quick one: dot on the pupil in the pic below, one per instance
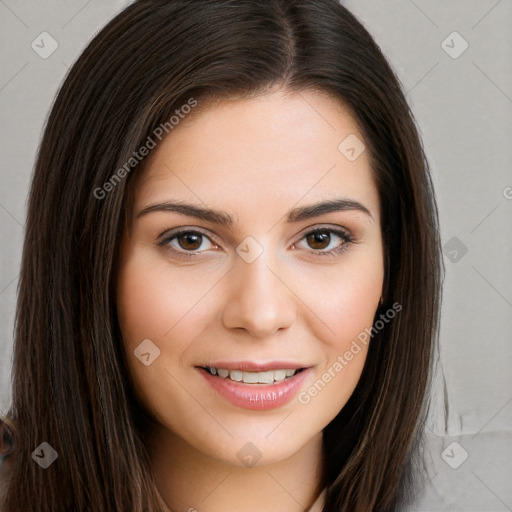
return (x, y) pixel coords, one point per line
(320, 237)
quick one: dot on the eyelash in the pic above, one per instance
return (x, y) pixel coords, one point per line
(347, 238)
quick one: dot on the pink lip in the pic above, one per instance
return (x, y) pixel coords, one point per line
(252, 366)
(256, 396)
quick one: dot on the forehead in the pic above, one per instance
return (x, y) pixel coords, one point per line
(270, 149)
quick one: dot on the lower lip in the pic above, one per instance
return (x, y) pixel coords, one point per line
(257, 396)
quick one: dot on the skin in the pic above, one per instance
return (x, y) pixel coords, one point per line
(256, 159)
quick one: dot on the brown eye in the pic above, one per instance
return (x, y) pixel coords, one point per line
(319, 240)
(190, 241)
(187, 243)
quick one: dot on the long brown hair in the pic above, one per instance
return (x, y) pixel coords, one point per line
(70, 386)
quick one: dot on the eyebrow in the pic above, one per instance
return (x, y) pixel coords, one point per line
(225, 219)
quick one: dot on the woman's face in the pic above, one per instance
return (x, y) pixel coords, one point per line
(260, 294)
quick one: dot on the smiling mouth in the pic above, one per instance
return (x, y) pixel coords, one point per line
(268, 377)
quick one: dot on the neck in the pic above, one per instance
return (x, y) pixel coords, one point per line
(192, 481)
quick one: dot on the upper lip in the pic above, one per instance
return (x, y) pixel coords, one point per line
(253, 366)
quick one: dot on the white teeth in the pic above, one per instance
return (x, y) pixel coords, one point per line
(236, 375)
(250, 377)
(266, 377)
(279, 375)
(253, 377)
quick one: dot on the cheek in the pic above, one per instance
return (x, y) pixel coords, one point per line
(345, 343)
(354, 308)
(345, 298)
(155, 303)
(346, 306)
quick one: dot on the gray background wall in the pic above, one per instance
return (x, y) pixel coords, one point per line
(462, 99)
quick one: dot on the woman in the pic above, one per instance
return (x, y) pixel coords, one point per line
(256, 368)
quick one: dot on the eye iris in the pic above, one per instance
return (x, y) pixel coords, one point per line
(319, 237)
(196, 241)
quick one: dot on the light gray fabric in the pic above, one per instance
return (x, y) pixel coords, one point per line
(455, 62)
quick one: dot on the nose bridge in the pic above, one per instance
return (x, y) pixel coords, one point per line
(257, 299)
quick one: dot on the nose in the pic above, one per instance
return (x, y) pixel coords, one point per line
(258, 299)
